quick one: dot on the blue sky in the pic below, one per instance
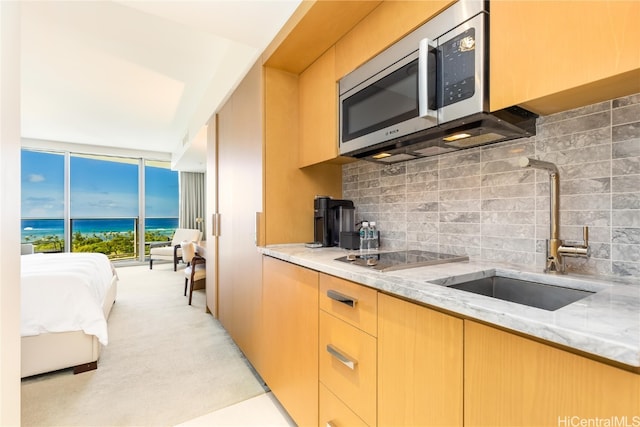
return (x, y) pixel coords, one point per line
(99, 188)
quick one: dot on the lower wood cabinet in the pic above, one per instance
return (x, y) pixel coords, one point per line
(348, 365)
(420, 365)
(290, 341)
(335, 413)
(337, 353)
(516, 381)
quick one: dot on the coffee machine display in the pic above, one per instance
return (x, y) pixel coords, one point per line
(332, 217)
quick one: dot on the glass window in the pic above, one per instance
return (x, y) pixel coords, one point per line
(104, 205)
(161, 201)
(42, 205)
(104, 197)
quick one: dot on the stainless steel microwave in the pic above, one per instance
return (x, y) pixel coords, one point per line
(427, 94)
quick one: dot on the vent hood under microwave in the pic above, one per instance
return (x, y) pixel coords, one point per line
(475, 130)
(427, 94)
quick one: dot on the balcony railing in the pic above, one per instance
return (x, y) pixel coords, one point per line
(118, 238)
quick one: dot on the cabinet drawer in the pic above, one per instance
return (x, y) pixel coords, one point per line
(348, 365)
(353, 303)
(335, 413)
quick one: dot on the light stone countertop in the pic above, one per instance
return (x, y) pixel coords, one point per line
(605, 324)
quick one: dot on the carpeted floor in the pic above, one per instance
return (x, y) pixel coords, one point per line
(166, 363)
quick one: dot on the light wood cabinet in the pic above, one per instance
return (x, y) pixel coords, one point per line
(318, 111)
(333, 412)
(551, 56)
(288, 190)
(420, 365)
(350, 302)
(239, 167)
(348, 365)
(290, 325)
(263, 197)
(348, 354)
(515, 381)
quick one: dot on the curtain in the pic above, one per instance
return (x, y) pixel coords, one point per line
(192, 201)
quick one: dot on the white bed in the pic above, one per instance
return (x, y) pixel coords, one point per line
(66, 299)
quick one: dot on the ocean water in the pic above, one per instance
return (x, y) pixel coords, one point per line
(34, 229)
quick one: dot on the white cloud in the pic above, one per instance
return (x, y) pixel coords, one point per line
(34, 177)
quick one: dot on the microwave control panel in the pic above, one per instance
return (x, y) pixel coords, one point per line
(457, 67)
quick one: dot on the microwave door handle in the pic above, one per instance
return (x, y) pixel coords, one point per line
(423, 84)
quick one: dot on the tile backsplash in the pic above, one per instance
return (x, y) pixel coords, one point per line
(479, 202)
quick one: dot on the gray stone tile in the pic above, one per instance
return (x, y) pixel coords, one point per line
(628, 148)
(460, 205)
(510, 217)
(625, 184)
(626, 100)
(508, 178)
(509, 230)
(585, 186)
(573, 141)
(509, 150)
(508, 191)
(462, 171)
(621, 268)
(629, 236)
(458, 194)
(625, 166)
(517, 245)
(626, 114)
(459, 158)
(591, 201)
(459, 228)
(576, 113)
(576, 124)
(625, 132)
(521, 258)
(524, 204)
(625, 218)
(625, 253)
(473, 217)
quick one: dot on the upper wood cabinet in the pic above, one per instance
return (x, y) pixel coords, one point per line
(318, 111)
(550, 56)
(288, 190)
(514, 381)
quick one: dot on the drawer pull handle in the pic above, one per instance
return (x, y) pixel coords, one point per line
(342, 298)
(342, 358)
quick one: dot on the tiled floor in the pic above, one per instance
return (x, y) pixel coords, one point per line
(263, 410)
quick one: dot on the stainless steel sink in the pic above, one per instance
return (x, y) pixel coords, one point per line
(533, 294)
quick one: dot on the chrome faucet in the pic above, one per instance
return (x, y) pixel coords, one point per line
(556, 249)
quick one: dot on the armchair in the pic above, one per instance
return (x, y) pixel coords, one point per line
(171, 250)
(196, 267)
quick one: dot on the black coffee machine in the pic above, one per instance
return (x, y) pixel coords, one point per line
(332, 216)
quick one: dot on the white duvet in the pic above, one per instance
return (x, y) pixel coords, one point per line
(65, 292)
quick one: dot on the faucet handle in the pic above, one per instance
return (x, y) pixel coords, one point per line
(585, 235)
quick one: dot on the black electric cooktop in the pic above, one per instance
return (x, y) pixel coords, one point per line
(387, 261)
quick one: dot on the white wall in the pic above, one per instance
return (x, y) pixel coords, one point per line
(10, 213)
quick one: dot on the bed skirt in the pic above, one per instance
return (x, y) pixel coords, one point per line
(53, 351)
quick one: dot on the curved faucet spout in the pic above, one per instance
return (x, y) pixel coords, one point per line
(526, 162)
(556, 249)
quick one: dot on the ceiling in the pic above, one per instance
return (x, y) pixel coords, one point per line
(138, 75)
